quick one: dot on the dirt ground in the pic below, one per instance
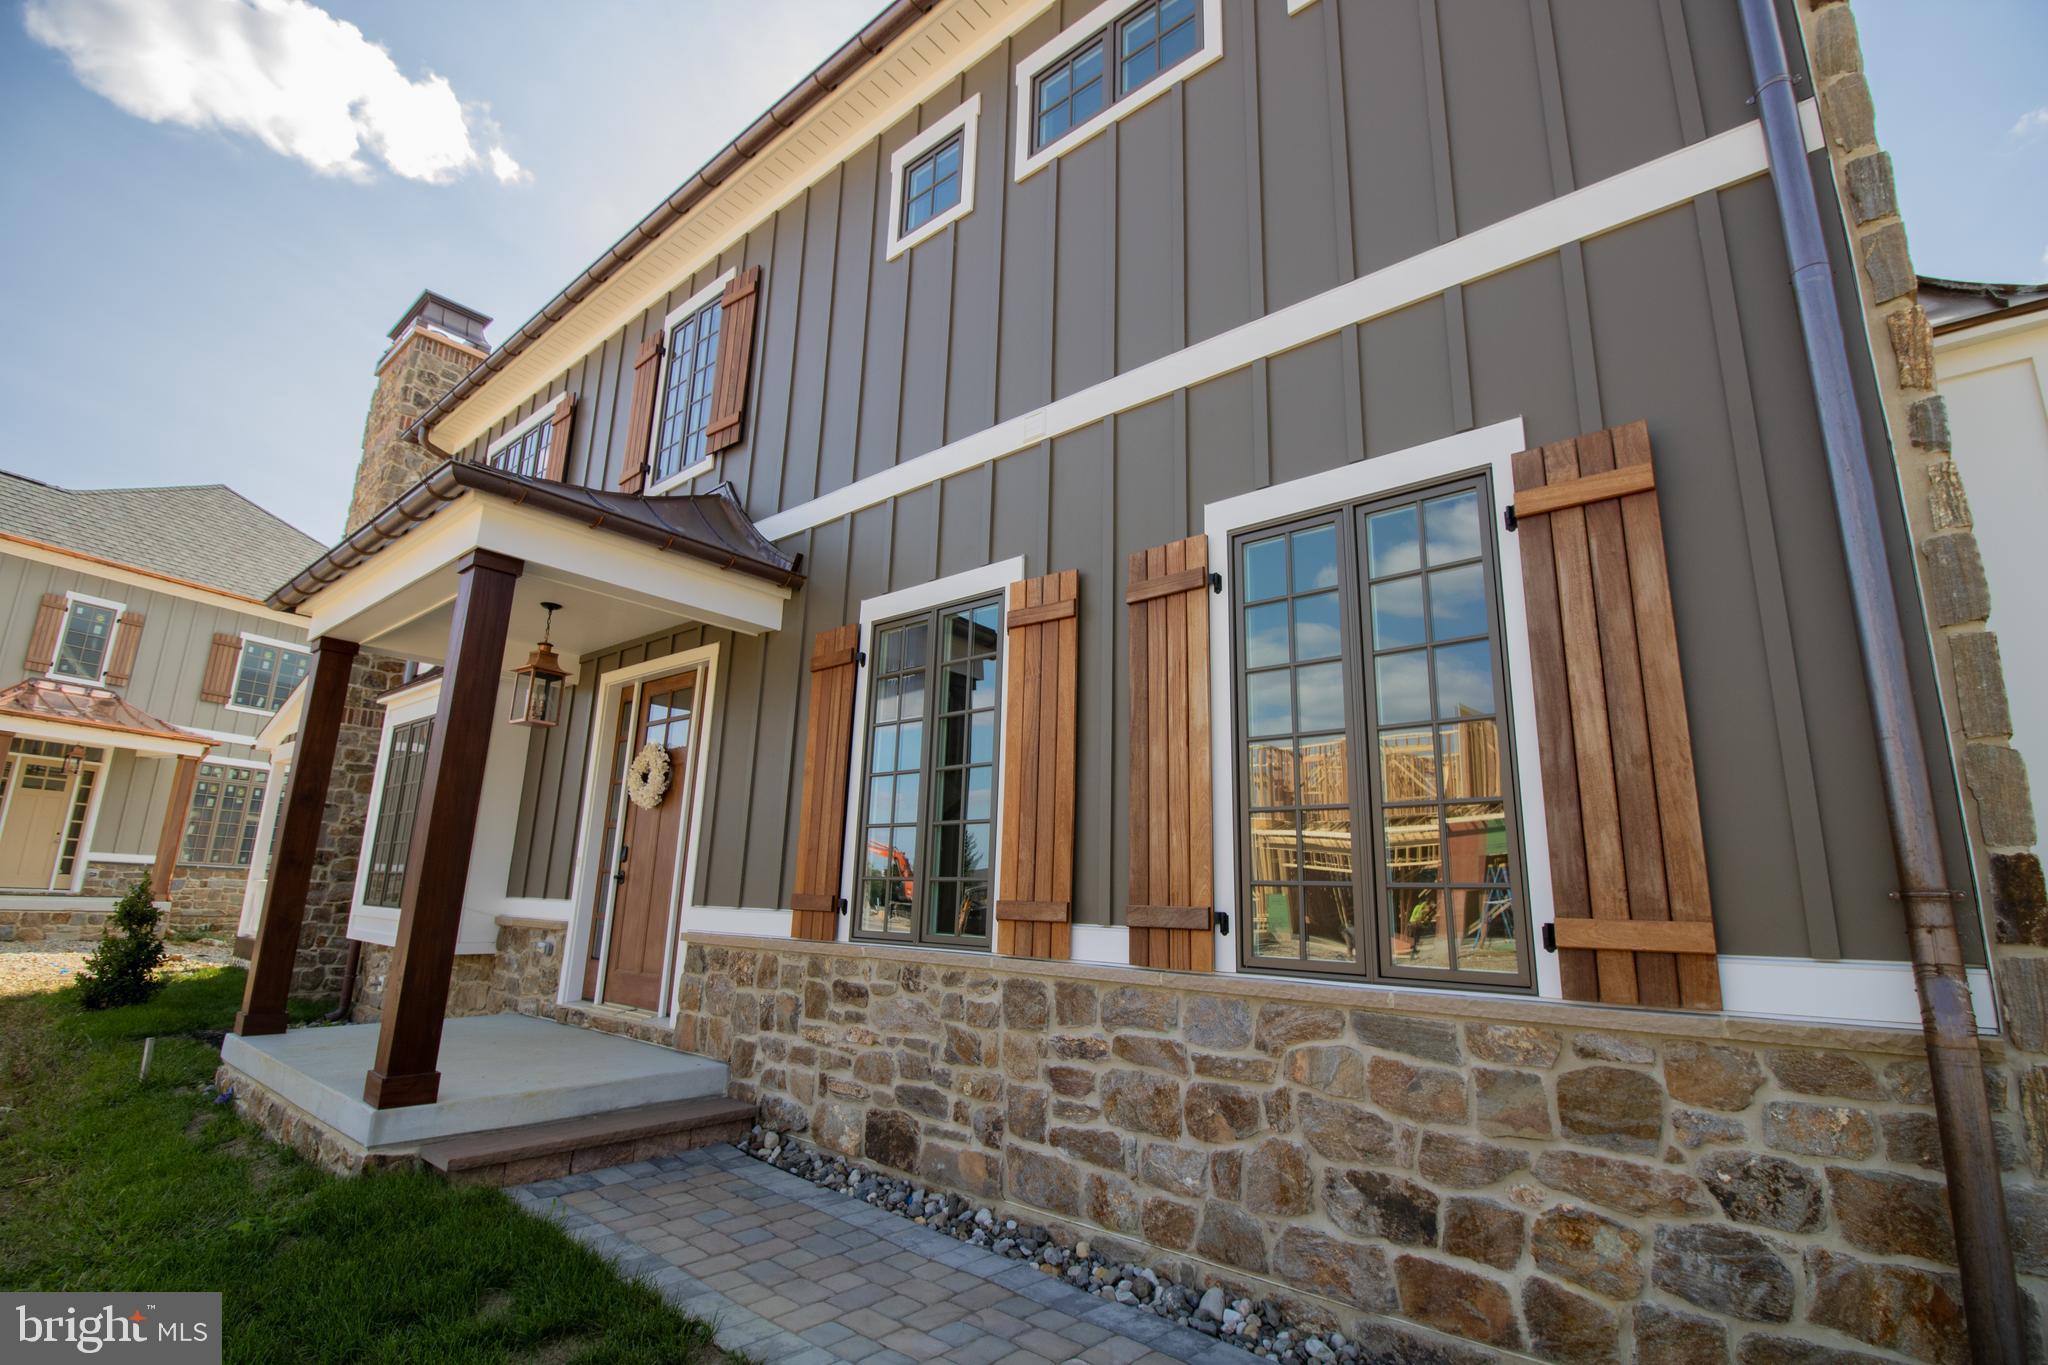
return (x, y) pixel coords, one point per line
(27, 968)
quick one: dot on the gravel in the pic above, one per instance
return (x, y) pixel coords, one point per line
(30, 968)
(1255, 1326)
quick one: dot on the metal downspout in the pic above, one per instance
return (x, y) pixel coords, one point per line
(1990, 1294)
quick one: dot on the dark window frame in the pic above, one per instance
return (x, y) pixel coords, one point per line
(84, 612)
(201, 844)
(273, 695)
(1372, 901)
(1109, 41)
(527, 453)
(398, 793)
(956, 141)
(682, 424)
(929, 822)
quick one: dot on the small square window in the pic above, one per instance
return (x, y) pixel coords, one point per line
(931, 184)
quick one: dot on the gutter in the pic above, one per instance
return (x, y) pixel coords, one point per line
(851, 58)
(1991, 1303)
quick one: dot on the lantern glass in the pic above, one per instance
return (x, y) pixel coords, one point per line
(537, 690)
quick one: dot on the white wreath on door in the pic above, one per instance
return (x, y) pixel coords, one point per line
(647, 777)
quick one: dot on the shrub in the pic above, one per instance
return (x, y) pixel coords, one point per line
(123, 970)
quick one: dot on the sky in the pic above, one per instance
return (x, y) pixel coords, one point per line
(212, 210)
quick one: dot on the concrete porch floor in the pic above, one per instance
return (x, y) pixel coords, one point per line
(497, 1071)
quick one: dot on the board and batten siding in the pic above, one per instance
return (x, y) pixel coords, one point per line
(165, 683)
(1323, 146)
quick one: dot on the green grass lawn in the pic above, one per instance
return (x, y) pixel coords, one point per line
(108, 1183)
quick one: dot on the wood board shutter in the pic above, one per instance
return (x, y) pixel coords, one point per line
(1634, 922)
(127, 639)
(735, 355)
(815, 903)
(219, 681)
(558, 438)
(1171, 910)
(42, 637)
(1034, 918)
(640, 430)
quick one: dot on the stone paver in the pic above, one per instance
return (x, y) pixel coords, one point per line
(787, 1272)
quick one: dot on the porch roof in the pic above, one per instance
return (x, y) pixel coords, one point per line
(40, 708)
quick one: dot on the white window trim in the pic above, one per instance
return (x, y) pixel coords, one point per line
(544, 413)
(379, 923)
(966, 121)
(1297, 6)
(1102, 17)
(1491, 449)
(247, 640)
(939, 592)
(70, 599)
(211, 761)
(703, 298)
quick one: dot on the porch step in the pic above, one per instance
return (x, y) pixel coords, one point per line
(545, 1151)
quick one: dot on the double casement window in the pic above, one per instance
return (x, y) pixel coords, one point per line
(266, 673)
(227, 807)
(927, 823)
(692, 348)
(1376, 813)
(87, 635)
(1107, 65)
(398, 803)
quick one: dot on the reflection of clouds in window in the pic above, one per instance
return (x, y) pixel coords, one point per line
(1457, 602)
(1265, 635)
(1397, 614)
(1319, 691)
(1392, 543)
(1452, 526)
(1316, 634)
(1464, 679)
(1402, 687)
(1315, 559)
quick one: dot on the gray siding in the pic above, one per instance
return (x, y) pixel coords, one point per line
(1322, 146)
(175, 640)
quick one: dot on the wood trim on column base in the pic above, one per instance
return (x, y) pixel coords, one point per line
(256, 1024)
(399, 1092)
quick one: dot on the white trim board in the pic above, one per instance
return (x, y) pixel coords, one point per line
(965, 120)
(1728, 158)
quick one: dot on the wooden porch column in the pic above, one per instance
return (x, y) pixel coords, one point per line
(437, 867)
(172, 835)
(305, 806)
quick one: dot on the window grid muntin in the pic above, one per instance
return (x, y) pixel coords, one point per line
(1124, 57)
(528, 453)
(396, 812)
(686, 392)
(74, 821)
(266, 674)
(894, 662)
(82, 647)
(227, 805)
(1153, 38)
(1058, 106)
(945, 162)
(957, 886)
(1364, 772)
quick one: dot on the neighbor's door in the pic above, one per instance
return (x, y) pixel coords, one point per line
(651, 844)
(35, 825)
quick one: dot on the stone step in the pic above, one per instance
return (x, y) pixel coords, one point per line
(546, 1151)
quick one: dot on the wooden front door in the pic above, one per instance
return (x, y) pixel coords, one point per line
(650, 844)
(35, 825)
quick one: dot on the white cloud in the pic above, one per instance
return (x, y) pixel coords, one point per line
(2031, 122)
(286, 72)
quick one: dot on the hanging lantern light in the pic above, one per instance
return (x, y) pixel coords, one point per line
(537, 685)
(74, 758)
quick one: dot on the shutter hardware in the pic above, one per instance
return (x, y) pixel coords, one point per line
(1549, 930)
(1215, 582)
(1223, 923)
(1508, 517)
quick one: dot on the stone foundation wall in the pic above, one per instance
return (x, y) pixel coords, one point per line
(1571, 1183)
(282, 1121)
(201, 899)
(519, 977)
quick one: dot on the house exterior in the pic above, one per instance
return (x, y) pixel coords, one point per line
(143, 662)
(1226, 624)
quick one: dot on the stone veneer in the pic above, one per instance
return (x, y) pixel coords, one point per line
(519, 977)
(412, 376)
(1573, 1183)
(202, 898)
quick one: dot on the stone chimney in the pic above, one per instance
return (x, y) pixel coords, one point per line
(434, 345)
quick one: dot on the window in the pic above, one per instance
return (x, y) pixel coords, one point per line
(267, 673)
(1376, 818)
(691, 366)
(928, 822)
(404, 765)
(525, 450)
(227, 805)
(931, 177)
(1106, 66)
(88, 630)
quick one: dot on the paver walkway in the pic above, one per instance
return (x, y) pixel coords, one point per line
(791, 1272)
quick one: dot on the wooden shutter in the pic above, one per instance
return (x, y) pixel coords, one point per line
(219, 682)
(1034, 917)
(735, 354)
(640, 430)
(1628, 866)
(1171, 911)
(42, 637)
(815, 904)
(127, 639)
(558, 439)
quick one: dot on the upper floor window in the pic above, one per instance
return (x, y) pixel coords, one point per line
(267, 672)
(928, 818)
(528, 448)
(1106, 66)
(87, 634)
(931, 178)
(227, 806)
(1377, 815)
(689, 368)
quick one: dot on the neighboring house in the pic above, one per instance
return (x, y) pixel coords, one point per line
(1227, 625)
(144, 661)
(1991, 361)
